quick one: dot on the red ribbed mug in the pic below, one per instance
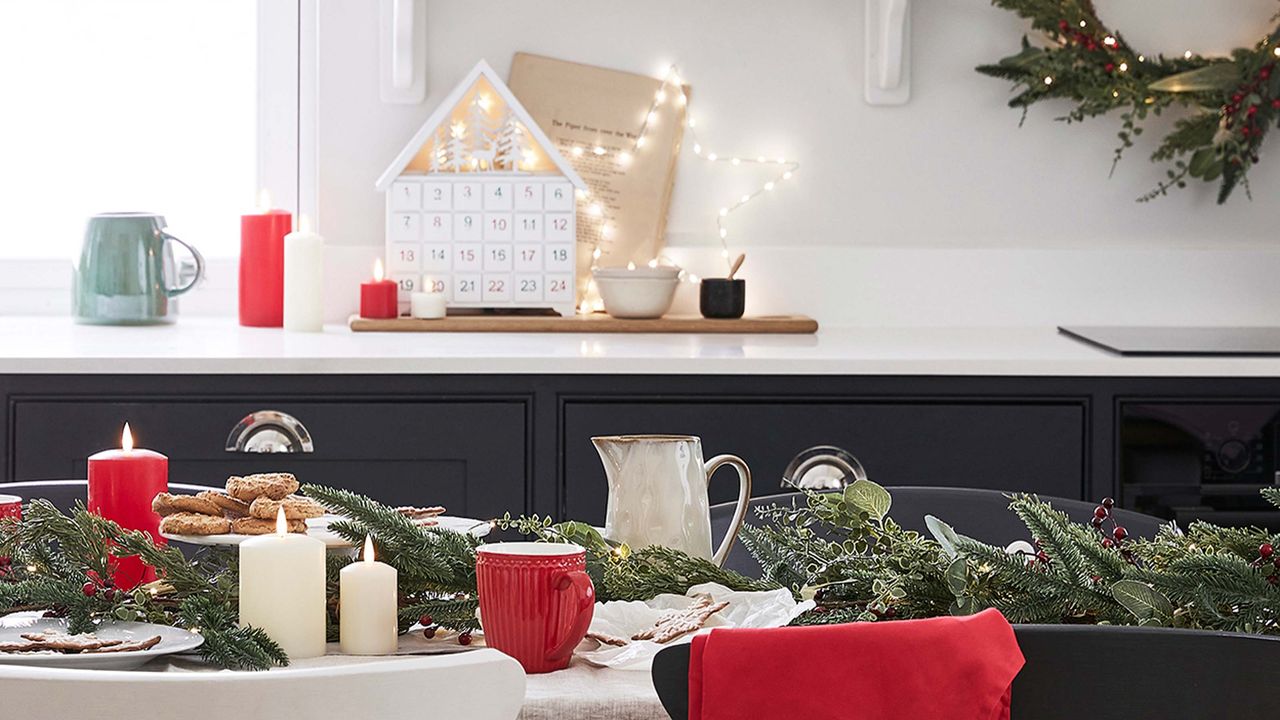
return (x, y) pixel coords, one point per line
(536, 601)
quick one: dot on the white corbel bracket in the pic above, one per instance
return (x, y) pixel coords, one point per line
(888, 67)
(402, 51)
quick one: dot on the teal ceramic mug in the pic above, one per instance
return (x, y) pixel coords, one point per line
(126, 274)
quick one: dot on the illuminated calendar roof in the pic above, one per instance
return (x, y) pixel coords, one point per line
(480, 129)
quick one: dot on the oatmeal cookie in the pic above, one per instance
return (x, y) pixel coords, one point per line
(295, 507)
(258, 526)
(231, 507)
(187, 523)
(276, 486)
(166, 504)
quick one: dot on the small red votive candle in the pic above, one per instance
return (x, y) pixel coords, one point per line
(122, 484)
(378, 298)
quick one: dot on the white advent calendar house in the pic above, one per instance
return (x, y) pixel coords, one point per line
(481, 206)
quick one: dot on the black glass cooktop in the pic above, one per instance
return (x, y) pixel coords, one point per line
(1180, 340)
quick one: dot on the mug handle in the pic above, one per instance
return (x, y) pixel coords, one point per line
(744, 497)
(174, 292)
(580, 583)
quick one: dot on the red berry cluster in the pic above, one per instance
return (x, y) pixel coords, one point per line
(430, 628)
(1077, 36)
(1113, 539)
(5, 566)
(1267, 557)
(95, 585)
(1244, 116)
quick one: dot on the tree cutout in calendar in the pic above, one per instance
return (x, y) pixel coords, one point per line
(482, 207)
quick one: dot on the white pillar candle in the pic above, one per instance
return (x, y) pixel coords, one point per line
(282, 589)
(368, 624)
(303, 279)
(426, 306)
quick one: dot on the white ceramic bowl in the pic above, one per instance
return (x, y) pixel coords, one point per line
(639, 293)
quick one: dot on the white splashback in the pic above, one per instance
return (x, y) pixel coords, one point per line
(939, 212)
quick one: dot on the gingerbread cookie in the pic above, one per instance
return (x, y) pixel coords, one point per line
(276, 486)
(295, 507)
(60, 642)
(166, 504)
(606, 639)
(674, 623)
(230, 506)
(421, 515)
(129, 646)
(186, 523)
(258, 526)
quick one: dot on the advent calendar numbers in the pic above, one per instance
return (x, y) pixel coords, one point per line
(483, 242)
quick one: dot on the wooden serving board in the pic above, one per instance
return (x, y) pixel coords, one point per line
(595, 323)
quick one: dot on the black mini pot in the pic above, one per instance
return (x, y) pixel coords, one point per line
(722, 298)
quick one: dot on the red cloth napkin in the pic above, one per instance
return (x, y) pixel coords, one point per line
(953, 668)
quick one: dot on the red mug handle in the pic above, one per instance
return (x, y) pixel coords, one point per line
(579, 583)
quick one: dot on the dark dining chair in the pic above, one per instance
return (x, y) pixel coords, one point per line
(980, 514)
(64, 493)
(1103, 673)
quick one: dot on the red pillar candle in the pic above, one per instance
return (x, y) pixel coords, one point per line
(262, 267)
(378, 297)
(122, 484)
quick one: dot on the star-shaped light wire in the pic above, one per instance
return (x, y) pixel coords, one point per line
(672, 89)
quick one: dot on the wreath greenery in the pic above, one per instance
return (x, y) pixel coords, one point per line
(1233, 101)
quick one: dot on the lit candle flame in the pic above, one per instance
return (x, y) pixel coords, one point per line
(377, 270)
(368, 548)
(126, 438)
(282, 525)
(631, 266)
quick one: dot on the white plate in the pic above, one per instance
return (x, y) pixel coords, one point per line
(172, 640)
(318, 528)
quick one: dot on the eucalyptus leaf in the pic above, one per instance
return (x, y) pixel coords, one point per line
(1143, 601)
(869, 498)
(1218, 76)
(1201, 161)
(957, 577)
(943, 533)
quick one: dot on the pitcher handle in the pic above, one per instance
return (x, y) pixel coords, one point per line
(579, 583)
(174, 292)
(744, 497)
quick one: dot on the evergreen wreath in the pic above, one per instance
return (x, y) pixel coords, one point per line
(1233, 101)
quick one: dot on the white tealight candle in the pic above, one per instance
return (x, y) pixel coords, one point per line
(282, 589)
(368, 625)
(303, 279)
(426, 306)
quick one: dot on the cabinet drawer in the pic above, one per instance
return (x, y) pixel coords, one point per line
(467, 456)
(1007, 446)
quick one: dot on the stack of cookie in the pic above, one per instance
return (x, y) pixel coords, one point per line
(248, 507)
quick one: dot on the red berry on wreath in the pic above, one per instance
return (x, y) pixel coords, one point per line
(1120, 532)
(424, 620)
(1237, 98)
(1096, 522)
(429, 632)
(89, 589)
(1109, 67)
(109, 594)
(464, 638)
(1063, 25)
(1106, 543)
(1108, 503)
(1099, 512)
(1264, 73)
(1276, 103)
(1253, 110)
(1266, 550)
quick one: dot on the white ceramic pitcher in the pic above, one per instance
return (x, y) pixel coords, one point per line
(658, 493)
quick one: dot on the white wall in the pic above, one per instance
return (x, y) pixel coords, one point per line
(950, 170)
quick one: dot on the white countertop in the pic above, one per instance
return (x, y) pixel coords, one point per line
(55, 345)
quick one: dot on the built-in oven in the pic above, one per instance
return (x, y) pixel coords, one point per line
(1201, 461)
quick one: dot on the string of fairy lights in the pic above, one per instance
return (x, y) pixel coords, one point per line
(672, 90)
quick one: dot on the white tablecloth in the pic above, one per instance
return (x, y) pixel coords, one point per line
(585, 692)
